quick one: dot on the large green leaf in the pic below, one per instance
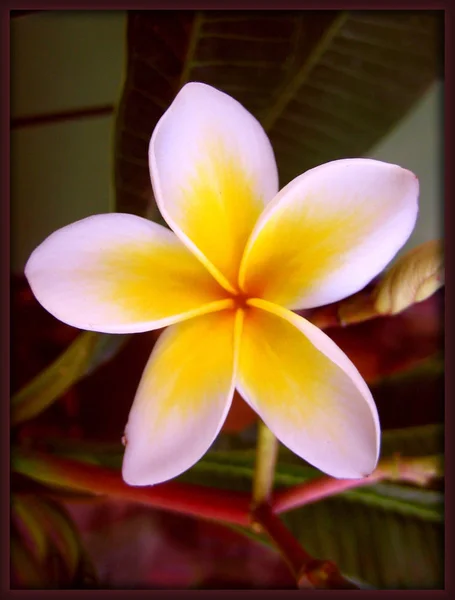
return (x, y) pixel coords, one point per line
(26, 572)
(47, 551)
(324, 84)
(388, 535)
(89, 351)
(377, 545)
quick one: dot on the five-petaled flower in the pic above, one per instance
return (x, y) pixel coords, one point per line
(238, 259)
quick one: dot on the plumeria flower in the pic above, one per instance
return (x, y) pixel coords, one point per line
(239, 258)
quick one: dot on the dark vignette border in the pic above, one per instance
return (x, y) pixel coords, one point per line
(13, 10)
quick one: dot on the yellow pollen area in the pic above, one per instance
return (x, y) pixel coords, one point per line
(240, 301)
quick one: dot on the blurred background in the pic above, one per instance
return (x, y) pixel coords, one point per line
(378, 87)
(87, 89)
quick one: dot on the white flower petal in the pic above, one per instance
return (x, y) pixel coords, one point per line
(329, 232)
(118, 273)
(183, 399)
(213, 171)
(307, 392)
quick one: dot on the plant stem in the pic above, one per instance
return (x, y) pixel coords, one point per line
(264, 473)
(310, 573)
(314, 490)
(208, 503)
(417, 470)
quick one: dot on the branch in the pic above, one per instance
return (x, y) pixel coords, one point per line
(309, 572)
(208, 503)
(416, 470)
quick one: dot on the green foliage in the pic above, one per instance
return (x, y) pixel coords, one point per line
(83, 356)
(46, 550)
(388, 535)
(324, 84)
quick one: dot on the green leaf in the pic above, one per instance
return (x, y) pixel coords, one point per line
(388, 535)
(413, 441)
(378, 545)
(48, 547)
(26, 572)
(26, 521)
(324, 84)
(62, 533)
(106, 347)
(85, 354)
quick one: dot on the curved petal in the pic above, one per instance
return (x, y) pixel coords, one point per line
(307, 392)
(213, 170)
(118, 273)
(329, 232)
(183, 399)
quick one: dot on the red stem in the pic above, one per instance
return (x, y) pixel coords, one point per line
(316, 489)
(416, 470)
(209, 503)
(309, 572)
(289, 547)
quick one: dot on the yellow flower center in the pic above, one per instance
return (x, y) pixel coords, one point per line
(240, 300)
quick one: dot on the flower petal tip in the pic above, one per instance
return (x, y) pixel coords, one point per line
(134, 479)
(137, 471)
(351, 473)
